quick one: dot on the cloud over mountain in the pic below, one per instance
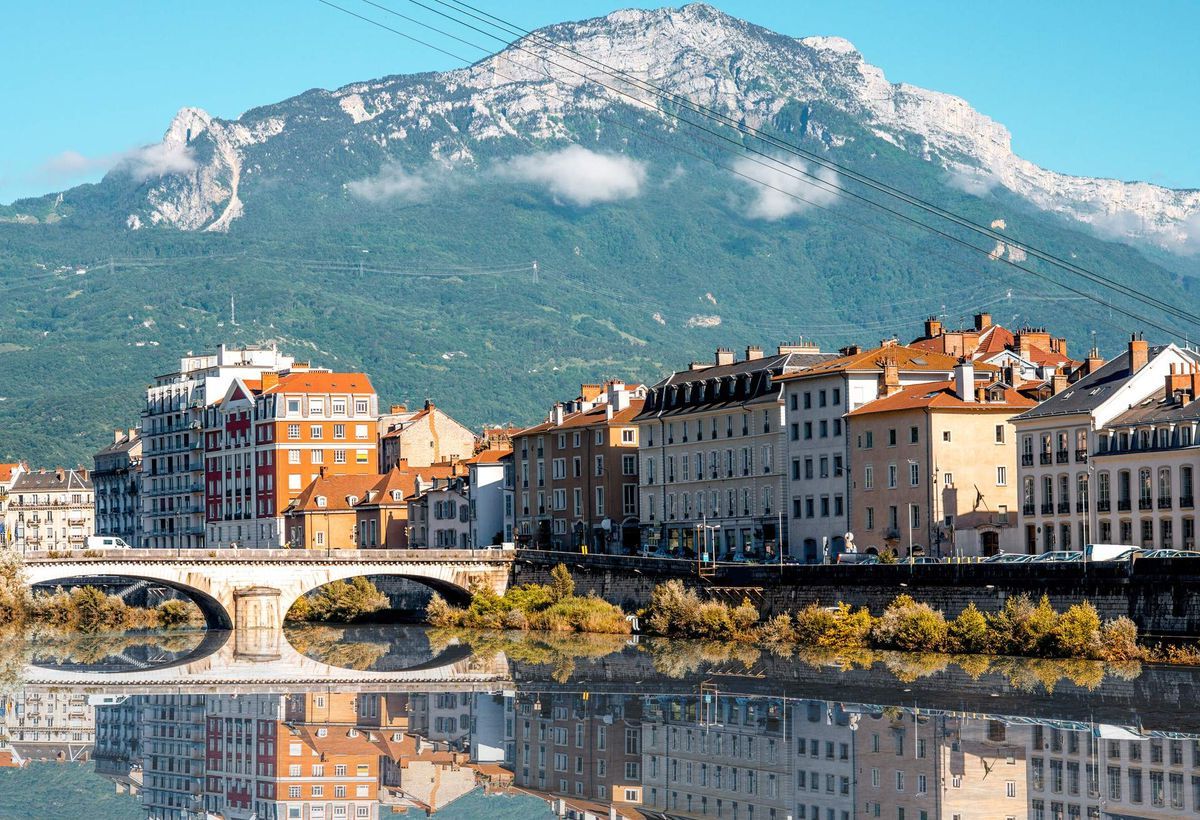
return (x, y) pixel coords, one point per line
(578, 175)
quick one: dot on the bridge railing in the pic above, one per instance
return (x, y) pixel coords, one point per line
(374, 556)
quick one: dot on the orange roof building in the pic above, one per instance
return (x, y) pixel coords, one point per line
(933, 468)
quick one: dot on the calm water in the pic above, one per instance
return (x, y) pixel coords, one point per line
(334, 724)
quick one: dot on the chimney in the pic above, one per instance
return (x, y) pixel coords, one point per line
(118, 435)
(399, 408)
(983, 321)
(1177, 381)
(724, 356)
(933, 327)
(556, 415)
(1058, 383)
(321, 472)
(851, 350)
(428, 404)
(618, 396)
(59, 475)
(82, 473)
(964, 380)
(270, 378)
(890, 377)
(1139, 353)
(1093, 362)
(753, 353)
(133, 433)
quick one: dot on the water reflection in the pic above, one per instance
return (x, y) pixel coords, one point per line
(617, 728)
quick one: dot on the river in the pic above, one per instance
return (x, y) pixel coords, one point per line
(329, 723)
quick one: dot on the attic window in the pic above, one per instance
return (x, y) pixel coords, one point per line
(919, 361)
(1094, 391)
(351, 500)
(321, 501)
(397, 495)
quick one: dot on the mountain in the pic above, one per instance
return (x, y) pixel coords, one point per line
(392, 224)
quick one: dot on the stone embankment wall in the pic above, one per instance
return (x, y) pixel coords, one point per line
(1161, 596)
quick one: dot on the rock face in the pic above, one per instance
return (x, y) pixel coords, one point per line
(527, 91)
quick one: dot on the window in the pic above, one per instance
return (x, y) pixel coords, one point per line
(914, 516)
(1002, 476)
(892, 437)
(360, 407)
(599, 465)
(1000, 434)
(914, 435)
(317, 456)
(627, 435)
(599, 501)
(891, 476)
(339, 431)
(315, 431)
(869, 477)
(628, 465)
(360, 431)
(293, 431)
(914, 473)
(945, 435)
(293, 456)
(361, 457)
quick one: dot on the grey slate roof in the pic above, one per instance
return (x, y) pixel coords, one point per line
(1156, 409)
(48, 481)
(1089, 392)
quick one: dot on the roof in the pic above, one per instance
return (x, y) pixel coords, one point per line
(1092, 390)
(57, 479)
(942, 396)
(490, 456)
(592, 417)
(369, 489)
(907, 357)
(7, 470)
(992, 340)
(1156, 408)
(124, 445)
(780, 361)
(318, 381)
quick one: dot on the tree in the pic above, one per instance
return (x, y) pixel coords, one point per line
(562, 585)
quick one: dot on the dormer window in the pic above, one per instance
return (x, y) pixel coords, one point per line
(321, 503)
(397, 495)
(351, 500)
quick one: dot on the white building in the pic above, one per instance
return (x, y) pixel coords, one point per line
(50, 510)
(439, 518)
(173, 441)
(490, 490)
(817, 452)
(1058, 508)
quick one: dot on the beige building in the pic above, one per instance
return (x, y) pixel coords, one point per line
(9, 473)
(933, 468)
(422, 437)
(50, 510)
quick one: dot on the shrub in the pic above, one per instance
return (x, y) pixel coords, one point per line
(175, 613)
(910, 626)
(813, 623)
(562, 585)
(833, 628)
(886, 556)
(672, 608)
(530, 597)
(516, 619)
(968, 633)
(575, 614)
(13, 597)
(440, 613)
(1077, 633)
(1021, 628)
(711, 621)
(743, 617)
(1118, 640)
(777, 630)
(339, 602)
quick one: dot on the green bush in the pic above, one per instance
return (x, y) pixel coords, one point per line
(339, 602)
(1077, 633)
(837, 627)
(968, 633)
(576, 614)
(743, 617)
(440, 613)
(1119, 641)
(777, 630)
(910, 626)
(175, 613)
(672, 608)
(1021, 628)
(562, 585)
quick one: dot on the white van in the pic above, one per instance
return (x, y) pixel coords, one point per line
(106, 542)
(1108, 552)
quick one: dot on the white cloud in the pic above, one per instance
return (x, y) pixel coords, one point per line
(392, 183)
(578, 176)
(974, 181)
(142, 163)
(780, 192)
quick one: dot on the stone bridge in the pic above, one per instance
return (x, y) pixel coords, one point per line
(254, 589)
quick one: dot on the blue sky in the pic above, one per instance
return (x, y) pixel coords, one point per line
(1101, 88)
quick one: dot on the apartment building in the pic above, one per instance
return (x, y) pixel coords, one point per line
(8, 474)
(576, 473)
(816, 450)
(1144, 467)
(440, 517)
(711, 454)
(490, 488)
(50, 510)
(1057, 437)
(173, 468)
(117, 481)
(421, 437)
(267, 439)
(933, 468)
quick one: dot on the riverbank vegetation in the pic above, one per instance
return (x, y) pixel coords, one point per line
(342, 602)
(552, 607)
(1020, 628)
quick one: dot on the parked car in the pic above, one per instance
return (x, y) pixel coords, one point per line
(105, 542)
(1168, 553)
(1058, 557)
(857, 558)
(1008, 558)
(1109, 552)
(921, 559)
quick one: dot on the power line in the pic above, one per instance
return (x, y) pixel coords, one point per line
(713, 114)
(777, 165)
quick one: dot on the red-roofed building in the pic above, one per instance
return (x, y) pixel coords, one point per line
(576, 473)
(1031, 354)
(933, 468)
(8, 474)
(267, 439)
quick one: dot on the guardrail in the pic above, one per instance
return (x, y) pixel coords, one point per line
(494, 555)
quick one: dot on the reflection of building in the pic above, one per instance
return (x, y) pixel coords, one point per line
(50, 510)
(173, 758)
(579, 747)
(49, 724)
(117, 752)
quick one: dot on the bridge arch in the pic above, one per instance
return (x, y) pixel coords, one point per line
(216, 615)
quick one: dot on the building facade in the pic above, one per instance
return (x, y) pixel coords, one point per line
(1059, 510)
(933, 468)
(117, 480)
(818, 492)
(439, 517)
(422, 437)
(9, 472)
(576, 473)
(173, 469)
(712, 454)
(490, 487)
(268, 439)
(50, 510)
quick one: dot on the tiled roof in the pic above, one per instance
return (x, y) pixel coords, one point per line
(907, 357)
(322, 382)
(942, 396)
(596, 416)
(491, 456)
(126, 444)
(334, 489)
(7, 470)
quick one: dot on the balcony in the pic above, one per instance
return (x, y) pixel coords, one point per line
(1103, 505)
(1186, 502)
(1081, 455)
(1062, 457)
(1145, 504)
(1026, 459)
(1064, 506)
(1047, 509)
(1046, 458)
(1164, 503)
(1124, 505)
(1028, 509)
(1080, 506)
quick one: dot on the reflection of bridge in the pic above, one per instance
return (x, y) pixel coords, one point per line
(262, 660)
(255, 588)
